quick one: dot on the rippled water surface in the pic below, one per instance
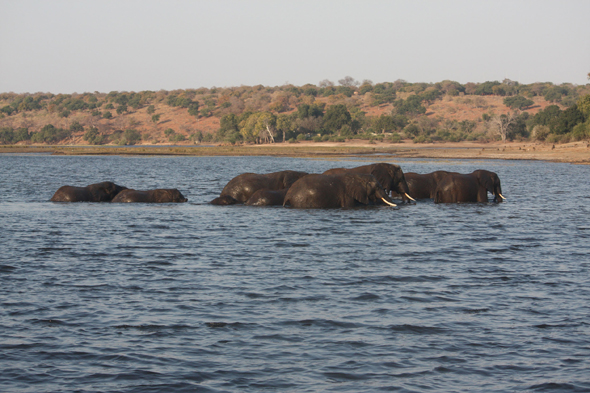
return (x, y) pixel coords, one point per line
(198, 298)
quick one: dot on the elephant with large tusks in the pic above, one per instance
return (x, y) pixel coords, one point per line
(390, 176)
(471, 187)
(240, 188)
(160, 195)
(334, 191)
(98, 192)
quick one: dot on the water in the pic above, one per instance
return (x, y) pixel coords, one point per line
(198, 298)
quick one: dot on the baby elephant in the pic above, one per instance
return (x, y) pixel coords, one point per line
(171, 195)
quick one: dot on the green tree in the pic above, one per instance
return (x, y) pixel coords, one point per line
(518, 102)
(93, 137)
(76, 127)
(151, 109)
(156, 118)
(584, 105)
(107, 115)
(131, 137)
(336, 116)
(121, 108)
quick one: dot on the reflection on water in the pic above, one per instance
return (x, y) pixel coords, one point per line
(193, 297)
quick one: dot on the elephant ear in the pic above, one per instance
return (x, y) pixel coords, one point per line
(383, 177)
(485, 179)
(356, 186)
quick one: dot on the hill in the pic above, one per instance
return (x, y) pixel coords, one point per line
(446, 111)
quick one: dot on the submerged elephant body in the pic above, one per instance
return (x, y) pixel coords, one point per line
(471, 187)
(171, 195)
(98, 192)
(242, 187)
(335, 191)
(390, 176)
(267, 197)
(423, 186)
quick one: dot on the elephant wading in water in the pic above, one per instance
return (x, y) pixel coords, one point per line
(333, 191)
(99, 192)
(171, 195)
(424, 186)
(472, 187)
(390, 176)
(266, 197)
(240, 188)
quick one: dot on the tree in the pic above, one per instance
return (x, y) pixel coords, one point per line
(502, 123)
(348, 81)
(76, 127)
(151, 109)
(131, 137)
(156, 118)
(107, 115)
(518, 102)
(584, 105)
(93, 137)
(336, 116)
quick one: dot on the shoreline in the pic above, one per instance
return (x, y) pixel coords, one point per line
(575, 152)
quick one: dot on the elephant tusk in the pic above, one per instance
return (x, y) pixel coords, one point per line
(389, 203)
(502, 196)
(409, 197)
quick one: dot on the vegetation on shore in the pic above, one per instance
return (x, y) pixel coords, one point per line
(385, 112)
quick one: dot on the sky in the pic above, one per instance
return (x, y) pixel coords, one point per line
(76, 46)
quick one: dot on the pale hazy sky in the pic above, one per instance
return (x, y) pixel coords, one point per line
(62, 46)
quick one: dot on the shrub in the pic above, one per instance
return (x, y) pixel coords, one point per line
(293, 140)
(93, 137)
(395, 138)
(107, 115)
(540, 132)
(301, 137)
(317, 138)
(131, 137)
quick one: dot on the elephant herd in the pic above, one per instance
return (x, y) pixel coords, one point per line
(110, 192)
(374, 184)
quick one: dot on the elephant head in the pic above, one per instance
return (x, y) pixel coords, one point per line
(491, 182)
(391, 178)
(366, 190)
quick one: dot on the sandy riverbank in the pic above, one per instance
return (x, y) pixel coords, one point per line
(576, 152)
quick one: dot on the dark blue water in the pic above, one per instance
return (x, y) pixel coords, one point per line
(198, 298)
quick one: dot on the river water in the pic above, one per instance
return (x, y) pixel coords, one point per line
(199, 298)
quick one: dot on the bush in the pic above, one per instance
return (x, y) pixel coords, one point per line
(177, 138)
(107, 115)
(131, 137)
(540, 132)
(326, 138)
(395, 138)
(93, 137)
(293, 140)
(581, 131)
(301, 137)
(317, 138)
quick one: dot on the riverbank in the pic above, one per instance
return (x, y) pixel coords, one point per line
(576, 152)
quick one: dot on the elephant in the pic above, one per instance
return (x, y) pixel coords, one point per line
(390, 176)
(98, 192)
(423, 186)
(471, 187)
(266, 197)
(171, 195)
(334, 191)
(240, 188)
